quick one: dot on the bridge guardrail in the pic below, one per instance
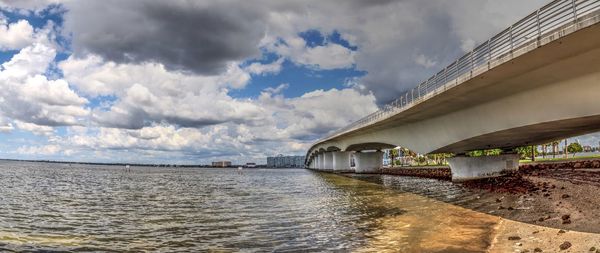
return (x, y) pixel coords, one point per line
(551, 22)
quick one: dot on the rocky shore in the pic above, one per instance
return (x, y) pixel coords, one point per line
(561, 195)
(558, 196)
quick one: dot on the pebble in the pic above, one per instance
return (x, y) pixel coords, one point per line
(593, 249)
(564, 196)
(565, 245)
(514, 238)
(537, 250)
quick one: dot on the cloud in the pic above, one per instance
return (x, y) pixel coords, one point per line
(27, 95)
(328, 56)
(422, 60)
(258, 68)
(34, 128)
(15, 35)
(148, 93)
(39, 150)
(195, 36)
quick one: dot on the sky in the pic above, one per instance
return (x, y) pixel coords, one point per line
(191, 82)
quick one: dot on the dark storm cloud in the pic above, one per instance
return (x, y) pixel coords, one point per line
(182, 35)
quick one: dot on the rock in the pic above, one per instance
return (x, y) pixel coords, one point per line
(577, 165)
(562, 187)
(565, 217)
(561, 231)
(566, 222)
(500, 207)
(541, 219)
(565, 196)
(537, 250)
(519, 244)
(546, 194)
(498, 200)
(514, 238)
(535, 232)
(593, 249)
(510, 208)
(565, 245)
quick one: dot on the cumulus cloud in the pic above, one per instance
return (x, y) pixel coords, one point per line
(258, 68)
(15, 35)
(328, 56)
(27, 95)
(149, 93)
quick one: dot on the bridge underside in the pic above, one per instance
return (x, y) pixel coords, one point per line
(527, 135)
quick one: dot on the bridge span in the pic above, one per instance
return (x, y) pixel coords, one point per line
(536, 81)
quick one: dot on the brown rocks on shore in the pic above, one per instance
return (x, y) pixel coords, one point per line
(565, 245)
(429, 172)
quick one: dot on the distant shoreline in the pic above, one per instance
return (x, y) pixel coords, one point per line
(130, 164)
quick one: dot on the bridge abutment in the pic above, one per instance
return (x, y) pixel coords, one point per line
(368, 162)
(341, 161)
(468, 168)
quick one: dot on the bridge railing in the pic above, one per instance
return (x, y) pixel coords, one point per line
(553, 21)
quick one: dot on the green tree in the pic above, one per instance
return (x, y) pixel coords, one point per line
(393, 155)
(574, 148)
(526, 152)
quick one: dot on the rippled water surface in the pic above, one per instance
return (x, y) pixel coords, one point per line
(103, 208)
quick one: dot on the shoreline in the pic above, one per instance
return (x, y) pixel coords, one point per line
(557, 195)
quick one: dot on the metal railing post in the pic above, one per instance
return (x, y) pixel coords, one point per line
(511, 41)
(574, 11)
(489, 48)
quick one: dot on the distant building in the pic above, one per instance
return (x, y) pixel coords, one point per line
(282, 161)
(587, 149)
(250, 165)
(221, 164)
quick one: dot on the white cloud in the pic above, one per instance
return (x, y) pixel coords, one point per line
(262, 69)
(27, 95)
(35, 129)
(328, 56)
(15, 35)
(39, 150)
(422, 60)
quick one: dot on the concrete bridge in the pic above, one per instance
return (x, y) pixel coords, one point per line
(536, 81)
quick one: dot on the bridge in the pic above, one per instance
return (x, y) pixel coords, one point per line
(534, 82)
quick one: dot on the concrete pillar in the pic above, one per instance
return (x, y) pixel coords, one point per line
(341, 161)
(321, 165)
(328, 161)
(368, 162)
(468, 168)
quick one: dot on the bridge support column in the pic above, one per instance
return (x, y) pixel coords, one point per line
(328, 161)
(341, 161)
(468, 168)
(369, 162)
(321, 164)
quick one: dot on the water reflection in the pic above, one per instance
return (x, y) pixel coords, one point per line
(102, 208)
